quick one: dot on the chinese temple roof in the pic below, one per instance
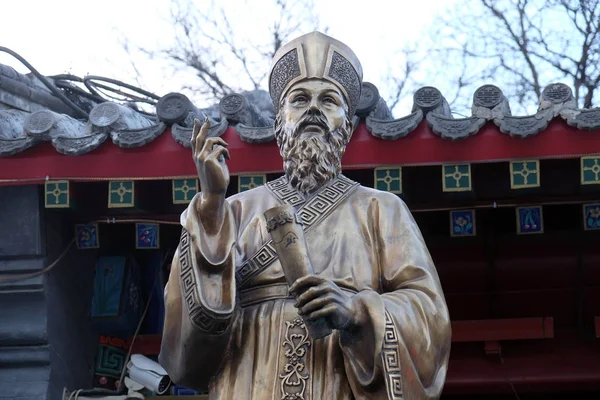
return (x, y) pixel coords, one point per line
(51, 128)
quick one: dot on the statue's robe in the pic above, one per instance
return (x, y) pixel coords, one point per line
(231, 324)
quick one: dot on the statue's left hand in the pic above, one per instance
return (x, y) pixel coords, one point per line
(320, 297)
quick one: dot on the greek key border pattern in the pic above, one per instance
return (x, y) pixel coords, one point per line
(321, 205)
(202, 318)
(311, 213)
(390, 358)
(285, 193)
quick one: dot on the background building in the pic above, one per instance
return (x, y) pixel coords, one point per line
(509, 207)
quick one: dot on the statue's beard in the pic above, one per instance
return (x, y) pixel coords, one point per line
(311, 162)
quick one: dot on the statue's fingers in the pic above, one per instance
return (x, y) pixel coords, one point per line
(326, 311)
(305, 282)
(204, 130)
(219, 151)
(215, 140)
(211, 144)
(311, 293)
(195, 133)
(317, 303)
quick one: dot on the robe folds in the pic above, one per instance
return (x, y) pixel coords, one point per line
(231, 324)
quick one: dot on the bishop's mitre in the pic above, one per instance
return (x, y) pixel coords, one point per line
(316, 55)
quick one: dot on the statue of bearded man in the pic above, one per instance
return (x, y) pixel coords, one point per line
(233, 323)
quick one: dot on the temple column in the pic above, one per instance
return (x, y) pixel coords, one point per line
(46, 342)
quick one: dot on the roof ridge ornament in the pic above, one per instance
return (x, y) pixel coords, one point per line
(430, 99)
(489, 102)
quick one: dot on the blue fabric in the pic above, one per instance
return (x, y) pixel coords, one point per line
(117, 301)
(152, 287)
(108, 287)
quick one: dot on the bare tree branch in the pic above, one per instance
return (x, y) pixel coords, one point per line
(521, 46)
(223, 56)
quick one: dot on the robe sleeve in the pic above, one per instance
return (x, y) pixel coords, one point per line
(401, 348)
(199, 300)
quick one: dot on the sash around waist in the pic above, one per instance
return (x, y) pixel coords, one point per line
(260, 294)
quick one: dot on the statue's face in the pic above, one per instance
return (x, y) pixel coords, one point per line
(312, 129)
(314, 107)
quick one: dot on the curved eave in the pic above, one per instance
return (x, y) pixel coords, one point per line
(164, 158)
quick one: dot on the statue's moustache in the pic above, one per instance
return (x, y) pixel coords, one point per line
(312, 119)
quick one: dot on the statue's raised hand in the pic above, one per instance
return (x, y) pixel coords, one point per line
(209, 155)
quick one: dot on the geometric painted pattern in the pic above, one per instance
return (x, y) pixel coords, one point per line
(310, 213)
(109, 360)
(456, 177)
(204, 319)
(184, 190)
(247, 182)
(56, 194)
(121, 194)
(390, 356)
(530, 220)
(147, 236)
(462, 223)
(524, 174)
(590, 170)
(389, 179)
(87, 236)
(591, 217)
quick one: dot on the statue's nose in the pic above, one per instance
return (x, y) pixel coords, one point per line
(314, 109)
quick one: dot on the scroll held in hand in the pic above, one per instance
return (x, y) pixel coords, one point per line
(285, 229)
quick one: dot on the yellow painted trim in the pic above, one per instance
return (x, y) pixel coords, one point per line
(461, 189)
(375, 179)
(122, 205)
(582, 169)
(239, 189)
(57, 205)
(196, 186)
(526, 185)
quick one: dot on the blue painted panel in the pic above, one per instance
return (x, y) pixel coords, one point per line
(462, 223)
(592, 216)
(530, 220)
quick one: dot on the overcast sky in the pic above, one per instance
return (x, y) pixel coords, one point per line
(84, 37)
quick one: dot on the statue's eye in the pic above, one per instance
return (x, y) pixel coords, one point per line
(299, 99)
(329, 100)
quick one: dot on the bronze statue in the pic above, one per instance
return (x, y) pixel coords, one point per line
(364, 316)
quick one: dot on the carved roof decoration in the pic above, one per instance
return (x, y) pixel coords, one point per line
(31, 114)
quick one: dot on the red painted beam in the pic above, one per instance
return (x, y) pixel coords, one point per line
(164, 158)
(502, 329)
